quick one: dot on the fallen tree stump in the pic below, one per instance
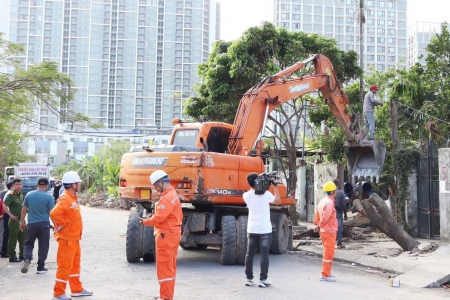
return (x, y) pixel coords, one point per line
(381, 217)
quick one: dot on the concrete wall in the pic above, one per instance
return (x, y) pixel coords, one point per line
(412, 216)
(300, 192)
(444, 194)
(323, 173)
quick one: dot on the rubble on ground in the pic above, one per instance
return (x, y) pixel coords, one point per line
(101, 200)
(361, 238)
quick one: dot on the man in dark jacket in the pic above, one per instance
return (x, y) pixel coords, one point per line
(4, 233)
(341, 213)
(56, 188)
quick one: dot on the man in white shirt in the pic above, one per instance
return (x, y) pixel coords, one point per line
(259, 229)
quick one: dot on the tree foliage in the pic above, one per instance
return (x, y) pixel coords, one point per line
(234, 67)
(99, 173)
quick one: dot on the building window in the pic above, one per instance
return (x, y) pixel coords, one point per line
(380, 67)
(350, 11)
(380, 13)
(381, 22)
(391, 58)
(284, 6)
(296, 7)
(380, 3)
(371, 22)
(391, 31)
(380, 57)
(285, 16)
(391, 14)
(391, 41)
(350, 29)
(370, 57)
(381, 40)
(370, 3)
(391, 50)
(380, 49)
(350, 20)
(370, 30)
(391, 4)
(370, 48)
(295, 16)
(380, 30)
(391, 23)
(370, 39)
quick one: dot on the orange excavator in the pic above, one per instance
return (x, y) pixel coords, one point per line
(208, 163)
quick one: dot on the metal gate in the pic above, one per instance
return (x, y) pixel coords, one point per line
(310, 209)
(428, 191)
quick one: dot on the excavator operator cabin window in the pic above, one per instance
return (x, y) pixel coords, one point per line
(218, 139)
(186, 137)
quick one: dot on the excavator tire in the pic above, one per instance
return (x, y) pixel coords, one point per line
(133, 238)
(148, 244)
(228, 247)
(241, 247)
(280, 237)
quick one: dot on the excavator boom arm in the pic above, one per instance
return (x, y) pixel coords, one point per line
(264, 97)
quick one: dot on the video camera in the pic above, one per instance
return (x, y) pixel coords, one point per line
(263, 182)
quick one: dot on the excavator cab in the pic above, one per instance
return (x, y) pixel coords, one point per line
(366, 157)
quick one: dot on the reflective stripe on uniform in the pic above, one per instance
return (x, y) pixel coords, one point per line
(325, 260)
(175, 199)
(60, 280)
(74, 275)
(167, 279)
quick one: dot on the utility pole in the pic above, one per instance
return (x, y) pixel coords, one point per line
(394, 126)
(362, 20)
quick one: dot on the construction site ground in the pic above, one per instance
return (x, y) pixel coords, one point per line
(295, 275)
(372, 250)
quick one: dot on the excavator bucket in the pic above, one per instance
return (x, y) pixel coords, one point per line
(366, 157)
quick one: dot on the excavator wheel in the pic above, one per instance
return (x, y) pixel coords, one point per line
(241, 247)
(280, 237)
(133, 238)
(148, 244)
(228, 247)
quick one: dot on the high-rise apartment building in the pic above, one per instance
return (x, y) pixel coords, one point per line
(385, 30)
(132, 61)
(420, 34)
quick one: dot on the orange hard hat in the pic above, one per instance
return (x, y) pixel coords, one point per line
(374, 88)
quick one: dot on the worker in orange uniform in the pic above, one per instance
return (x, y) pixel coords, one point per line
(327, 225)
(68, 224)
(167, 221)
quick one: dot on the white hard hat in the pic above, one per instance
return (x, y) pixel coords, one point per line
(71, 177)
(157, 175)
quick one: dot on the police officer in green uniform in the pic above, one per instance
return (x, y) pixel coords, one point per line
(13, 201)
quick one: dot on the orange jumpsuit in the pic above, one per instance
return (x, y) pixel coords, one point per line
(167, 222)
(66, 213)
(325, 217)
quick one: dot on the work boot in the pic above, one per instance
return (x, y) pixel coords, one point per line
(62, 297)
(14, 259)
(82, 293)
(328, 279)
(26, 265)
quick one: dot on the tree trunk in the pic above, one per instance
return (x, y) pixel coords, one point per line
(380, 215)
(360, 221)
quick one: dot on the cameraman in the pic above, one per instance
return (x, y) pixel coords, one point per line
(259, 229)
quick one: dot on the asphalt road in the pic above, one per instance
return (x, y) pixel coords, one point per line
(106, 272)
